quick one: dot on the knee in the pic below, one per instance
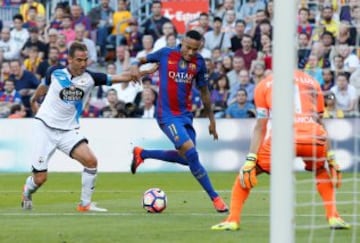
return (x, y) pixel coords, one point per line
(91, 162)
(40, 178)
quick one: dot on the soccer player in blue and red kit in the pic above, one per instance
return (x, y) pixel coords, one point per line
(179, 68)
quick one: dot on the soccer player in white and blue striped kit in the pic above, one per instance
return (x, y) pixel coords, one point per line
(57, 122)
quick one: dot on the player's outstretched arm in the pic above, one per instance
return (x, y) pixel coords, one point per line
(134, 68)
(205, 98)
(128, 77)
(39, 93)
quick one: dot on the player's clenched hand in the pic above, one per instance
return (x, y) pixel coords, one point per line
(247, 173)
(334, 168)
(212, 130)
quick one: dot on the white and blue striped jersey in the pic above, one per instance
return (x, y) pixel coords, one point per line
(66, 96)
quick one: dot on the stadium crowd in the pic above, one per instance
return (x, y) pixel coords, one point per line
(237, 47)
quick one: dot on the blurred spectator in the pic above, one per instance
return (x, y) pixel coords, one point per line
(51, 39)
(53, 60)
(269, 9)
(63, 49)
(257, 72)
(344, 35)
(101, 18)
(121, 20)
(34, 41)
(331, 110)
(235, 40)
(17, 111)
(345, 93)
(134, 38)
(31, 18)
(204, 22)
(8, 47)
(316, 49)
(303, 48)
(328, 42)
(233, 75)
(243, 83)
(171, 41)
(227, 5)
(57, 18)
(147, 43)
(248, 12)
(24, 8)
(220, 95)
(19, 34)
(111, 111)
(355, 80)
(247, 52)
(260, 19)
(122, 59)
(265, 32)
(351, 61)
(32, 62)
(167, 29)
(241, 108)
(147, 110)
(43, 28)
(347, 10)
(328, 20)
(8, 97)
(217, 39)
(328, 77)
(313, 69)
(25, 83)
(5, 72)
(304, 26)
(126, 92)
(90, 111)
(80, 36)
(338, 64)
(67, 28)
(153, 26)
(146, 84)
(212, 73)
(229, 24)
(78, 17)
(227, 64)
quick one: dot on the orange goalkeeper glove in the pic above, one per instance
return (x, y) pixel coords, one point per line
(334, 169)
(248, 172)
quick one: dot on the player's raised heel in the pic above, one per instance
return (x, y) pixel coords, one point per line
(338, 223)
(137, 159)
(91, 207)
(229, 226)
(220, 205)
(26, 202)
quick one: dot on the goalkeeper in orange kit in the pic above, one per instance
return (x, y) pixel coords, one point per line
(311, 143)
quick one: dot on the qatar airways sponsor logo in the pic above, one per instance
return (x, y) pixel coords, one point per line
(181, 77)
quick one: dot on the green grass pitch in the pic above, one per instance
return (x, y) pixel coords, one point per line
(188, 217)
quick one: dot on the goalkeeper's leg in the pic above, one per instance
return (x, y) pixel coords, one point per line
(326, 191)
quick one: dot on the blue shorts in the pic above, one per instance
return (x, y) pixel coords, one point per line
(178, 130)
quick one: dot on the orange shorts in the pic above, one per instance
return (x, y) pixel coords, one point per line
(314, 155)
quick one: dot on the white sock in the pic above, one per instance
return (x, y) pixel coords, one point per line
(88, 178)
(30, 187)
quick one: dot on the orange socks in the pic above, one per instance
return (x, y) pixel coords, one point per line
(238, 197)
(326, 191)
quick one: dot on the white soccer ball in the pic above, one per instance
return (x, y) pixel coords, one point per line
(154, 200)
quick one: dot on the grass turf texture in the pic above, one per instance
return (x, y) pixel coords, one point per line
(188, 217)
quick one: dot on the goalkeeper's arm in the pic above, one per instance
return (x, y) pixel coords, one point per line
(247, 173)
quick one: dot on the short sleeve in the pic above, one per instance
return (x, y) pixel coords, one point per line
(49, 71)
(100, 78)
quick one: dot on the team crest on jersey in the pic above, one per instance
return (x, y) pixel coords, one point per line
(71, 93)
(192, 66)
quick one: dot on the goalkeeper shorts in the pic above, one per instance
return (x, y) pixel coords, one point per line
(314, 155)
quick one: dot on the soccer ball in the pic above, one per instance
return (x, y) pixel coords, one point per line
(154, 200)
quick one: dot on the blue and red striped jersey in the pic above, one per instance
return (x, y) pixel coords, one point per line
(176, 80)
